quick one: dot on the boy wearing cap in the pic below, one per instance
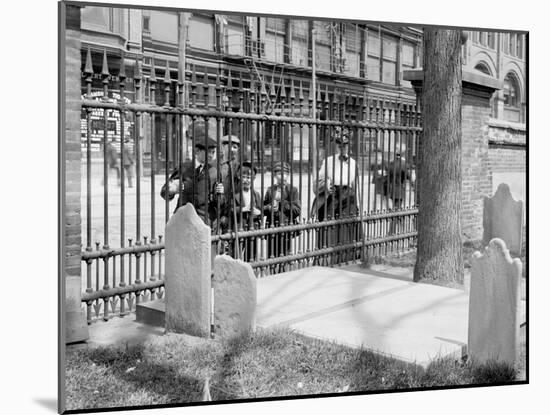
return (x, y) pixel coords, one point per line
(243, 208)
(336, 193)
(230, 148)
(281, 207)
(197, 181)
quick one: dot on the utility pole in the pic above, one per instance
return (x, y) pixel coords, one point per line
(313, 90)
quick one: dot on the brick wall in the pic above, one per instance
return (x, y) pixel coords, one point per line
(475, 163)
(507, 147)
(75, 322)
(72, 145)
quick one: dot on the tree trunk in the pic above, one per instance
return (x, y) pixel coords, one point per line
(439, 254)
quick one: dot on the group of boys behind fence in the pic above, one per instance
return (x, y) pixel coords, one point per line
(226, 200)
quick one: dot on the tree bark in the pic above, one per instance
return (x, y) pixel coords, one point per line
(439, 253)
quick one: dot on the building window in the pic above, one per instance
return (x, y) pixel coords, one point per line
(389, 61)
(300, 29)
(511, 91)
(201, 32)
(234, 35)
(407, 60)
(146, 23)
(323, 55)
(481, 67)
(353, 49)
(373, 55)
(512, 98)
(275, 39)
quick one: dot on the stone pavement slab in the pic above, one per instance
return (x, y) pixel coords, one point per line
(410, 321)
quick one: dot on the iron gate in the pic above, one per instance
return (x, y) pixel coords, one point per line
(144, 134)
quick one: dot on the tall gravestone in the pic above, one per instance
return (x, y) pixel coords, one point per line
(503, 218)
(494, 311)
(188, 273)
(235, 296)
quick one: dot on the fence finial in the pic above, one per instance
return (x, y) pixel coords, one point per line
(153, 77)
(272, 92)
(167, 78)
(137, 70)
(229, 80)
(122, 71)
(105, 67)
(89, 69)
(240, 82)
(193, 76)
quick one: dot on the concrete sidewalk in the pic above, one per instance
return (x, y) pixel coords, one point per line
(381, 310)
(394, 316)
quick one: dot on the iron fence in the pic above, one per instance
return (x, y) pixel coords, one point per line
(310, 201)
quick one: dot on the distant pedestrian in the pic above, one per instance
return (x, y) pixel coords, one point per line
(128, 162)
(113, 162)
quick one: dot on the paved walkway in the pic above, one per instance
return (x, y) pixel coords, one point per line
(394, 316)
(381, 310)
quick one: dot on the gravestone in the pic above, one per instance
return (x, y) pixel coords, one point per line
(188, 273)
(494, 310)
(234, 286)
(503, 218)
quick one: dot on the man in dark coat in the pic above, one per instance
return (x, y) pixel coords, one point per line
(197, 183)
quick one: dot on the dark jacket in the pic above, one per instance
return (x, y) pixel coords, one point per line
(289, 206)
(392, 182)
(200, 192)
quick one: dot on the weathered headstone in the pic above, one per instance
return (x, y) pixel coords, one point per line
(503, 218)
(234, 286)
(494, 310)
(188, 273)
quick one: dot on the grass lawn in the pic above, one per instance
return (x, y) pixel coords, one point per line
(169, 369)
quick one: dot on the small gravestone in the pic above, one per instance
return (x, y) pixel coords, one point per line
(494, 311)
(188, 273)
(234, 286)
(503, 218)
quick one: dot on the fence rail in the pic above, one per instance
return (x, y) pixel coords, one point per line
(367, 186)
